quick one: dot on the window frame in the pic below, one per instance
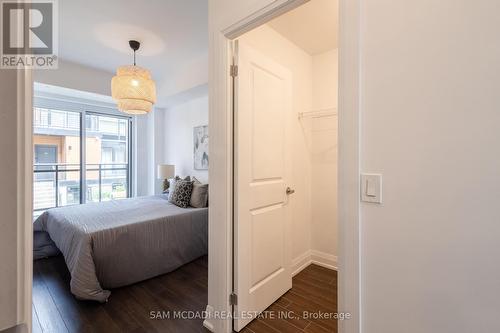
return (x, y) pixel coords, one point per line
(86, 107)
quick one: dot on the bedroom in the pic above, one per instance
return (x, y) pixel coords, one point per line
(104, 230)
(107, 237)
(108, 207)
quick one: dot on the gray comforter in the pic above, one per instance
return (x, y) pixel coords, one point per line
(116, 243)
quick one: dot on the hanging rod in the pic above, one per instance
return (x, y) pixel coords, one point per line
(322, 113)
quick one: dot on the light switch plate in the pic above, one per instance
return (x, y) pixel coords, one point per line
(371, 188)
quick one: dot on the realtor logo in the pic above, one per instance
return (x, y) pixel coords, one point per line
(29, 34)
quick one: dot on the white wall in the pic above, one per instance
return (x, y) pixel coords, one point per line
(178, 128)
(270, 43)
(8, 199)
(144, 149)
(323, 149)
(325, 79)
(431, 125)
(78, 77)
(159, 141)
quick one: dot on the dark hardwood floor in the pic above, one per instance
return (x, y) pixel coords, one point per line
(129, 308)
(314, 291)
(56, 310)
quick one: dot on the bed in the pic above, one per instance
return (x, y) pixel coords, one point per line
(116, 243)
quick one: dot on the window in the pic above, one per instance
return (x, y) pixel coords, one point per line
(56, 151)
(79, 155)
(107, 154)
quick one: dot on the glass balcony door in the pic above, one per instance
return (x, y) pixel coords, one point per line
(56, 152)
(107, 140)
(79, 157)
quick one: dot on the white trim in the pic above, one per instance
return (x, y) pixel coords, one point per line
(24, 198)
(209, 314)
(349, 286)
(261, 16)
(219, 218)
(313, 257)
(220, 164)
(301, 262)
(324, 259)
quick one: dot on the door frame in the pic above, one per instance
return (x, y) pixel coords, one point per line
(221, 174)
(24, 198)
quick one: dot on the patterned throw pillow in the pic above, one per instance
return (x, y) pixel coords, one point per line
(172, 182)
(181, 195)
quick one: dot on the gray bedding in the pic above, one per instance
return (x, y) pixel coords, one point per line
(116, 243)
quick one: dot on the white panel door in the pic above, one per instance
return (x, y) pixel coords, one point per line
(262, 169)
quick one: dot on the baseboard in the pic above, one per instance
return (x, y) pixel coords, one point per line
(301, 262)
(207, 322)
(324, 259)
(313, 257)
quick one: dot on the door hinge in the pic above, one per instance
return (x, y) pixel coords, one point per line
(233, 299)
(234, 70)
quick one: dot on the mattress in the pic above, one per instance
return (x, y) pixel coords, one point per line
(116, 243)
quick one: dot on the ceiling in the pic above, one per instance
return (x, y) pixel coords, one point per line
(313, 26)
(173, 36)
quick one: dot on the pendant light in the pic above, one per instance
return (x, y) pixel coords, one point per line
(132, 87)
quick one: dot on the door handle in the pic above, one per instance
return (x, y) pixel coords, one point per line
(289, 191)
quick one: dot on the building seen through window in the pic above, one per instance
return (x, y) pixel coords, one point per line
(68, 157)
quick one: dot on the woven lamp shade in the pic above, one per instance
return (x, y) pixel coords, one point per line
(133, 90)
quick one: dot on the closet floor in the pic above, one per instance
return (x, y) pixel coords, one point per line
(314, 290)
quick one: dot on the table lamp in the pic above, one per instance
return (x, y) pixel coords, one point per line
(165, 172)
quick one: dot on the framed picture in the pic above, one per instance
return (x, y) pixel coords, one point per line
(200, 136)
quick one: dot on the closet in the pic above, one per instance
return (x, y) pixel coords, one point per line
(285, 154)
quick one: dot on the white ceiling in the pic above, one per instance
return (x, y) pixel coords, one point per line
(173, 36)
(312, 26)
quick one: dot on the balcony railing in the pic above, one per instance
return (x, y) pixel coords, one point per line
(59, 184)
(44, 118)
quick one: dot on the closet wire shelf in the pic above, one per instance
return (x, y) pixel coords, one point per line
(323, 113)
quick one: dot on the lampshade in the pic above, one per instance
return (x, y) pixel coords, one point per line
(133, 90)
(165, 171)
